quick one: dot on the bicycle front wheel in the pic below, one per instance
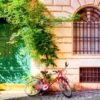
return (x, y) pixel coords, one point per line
(30, 89)
(65, 87)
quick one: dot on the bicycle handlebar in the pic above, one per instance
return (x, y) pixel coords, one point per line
(55, 71)
(66, 64)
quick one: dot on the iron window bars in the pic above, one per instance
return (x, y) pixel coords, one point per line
(87, 32)
(90, 74)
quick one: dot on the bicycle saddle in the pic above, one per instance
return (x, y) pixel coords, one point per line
(44, 72)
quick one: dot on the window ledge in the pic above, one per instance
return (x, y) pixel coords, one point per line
(79, 56)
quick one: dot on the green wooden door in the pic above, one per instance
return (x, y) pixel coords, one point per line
(13, 65)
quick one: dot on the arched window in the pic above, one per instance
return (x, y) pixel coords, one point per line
(87, 32)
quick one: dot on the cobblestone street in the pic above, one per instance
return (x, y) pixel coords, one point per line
(84, 95)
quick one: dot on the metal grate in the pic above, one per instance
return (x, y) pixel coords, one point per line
(87, 32)
(89, 74)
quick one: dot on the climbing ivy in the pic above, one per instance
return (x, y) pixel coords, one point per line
(31, 24)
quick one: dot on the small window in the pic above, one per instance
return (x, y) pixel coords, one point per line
(89, 74)
(87, 32)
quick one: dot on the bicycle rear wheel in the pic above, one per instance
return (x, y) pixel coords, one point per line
(65, 87)
(30, 89)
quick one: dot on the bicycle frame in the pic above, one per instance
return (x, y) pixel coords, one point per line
(48, 85)
(59, 76)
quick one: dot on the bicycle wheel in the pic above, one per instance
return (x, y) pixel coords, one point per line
(30, 89)
(65, 87)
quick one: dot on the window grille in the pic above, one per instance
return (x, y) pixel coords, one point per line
(87, 32)
(90, 74)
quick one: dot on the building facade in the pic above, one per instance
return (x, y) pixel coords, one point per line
(78, 41)
(79, 44)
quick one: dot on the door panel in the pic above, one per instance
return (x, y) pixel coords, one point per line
(13, 65)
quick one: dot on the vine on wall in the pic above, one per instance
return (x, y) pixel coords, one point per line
(31, 24)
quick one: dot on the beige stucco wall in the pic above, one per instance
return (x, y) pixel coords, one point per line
(64, 38)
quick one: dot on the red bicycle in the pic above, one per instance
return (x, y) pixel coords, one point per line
(36, 85)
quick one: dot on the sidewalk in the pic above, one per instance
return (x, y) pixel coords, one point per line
(11, 94)
(20, 95)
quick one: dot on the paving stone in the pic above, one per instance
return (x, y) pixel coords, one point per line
(61, 2)
(96, 2)
(82, 2)
(89, 1)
